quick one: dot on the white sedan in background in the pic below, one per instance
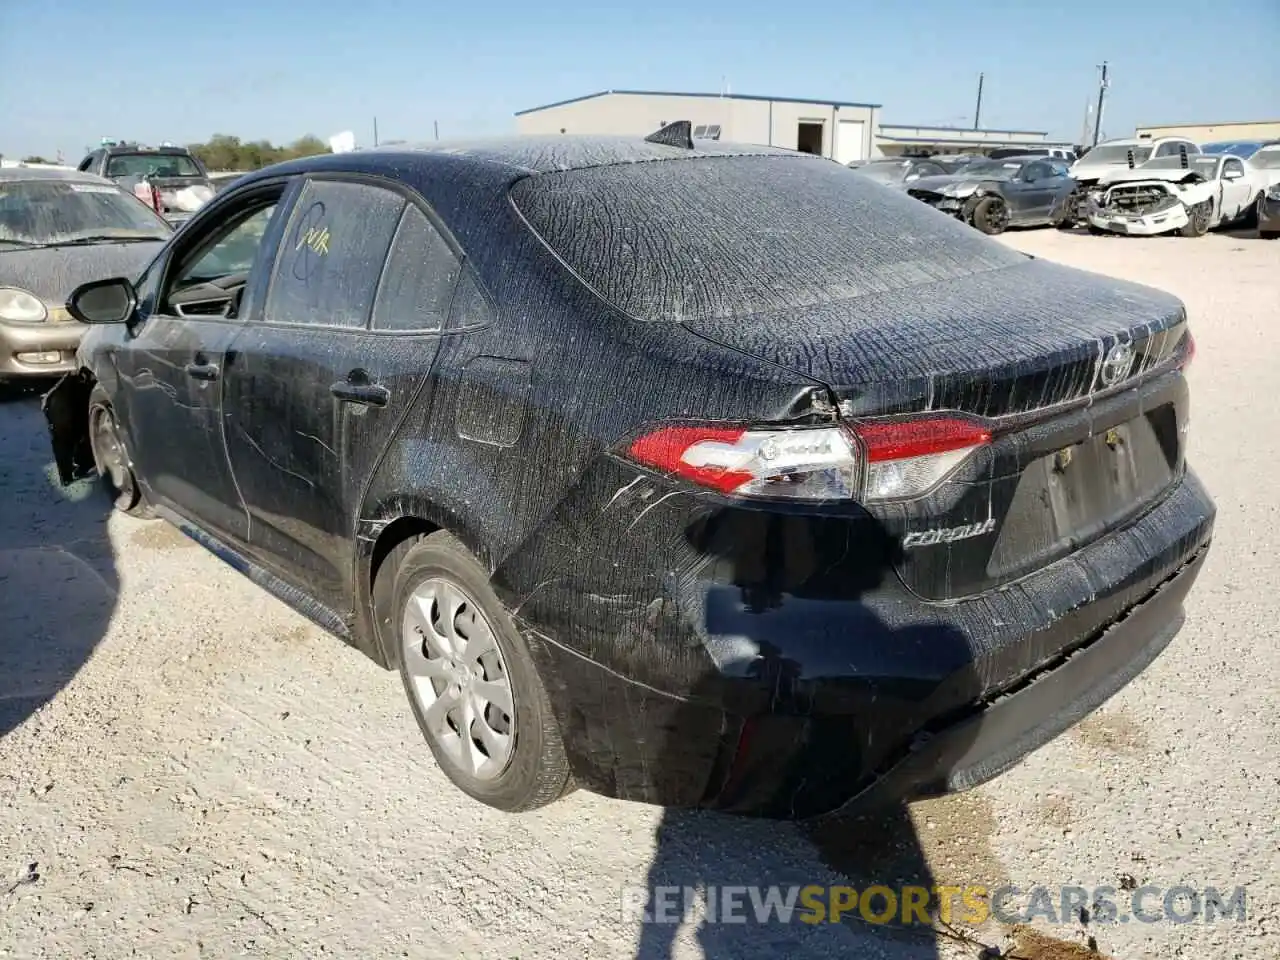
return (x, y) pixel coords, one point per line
(1191, 194)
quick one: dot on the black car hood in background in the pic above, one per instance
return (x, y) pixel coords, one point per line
(51, 273)
(815, 268)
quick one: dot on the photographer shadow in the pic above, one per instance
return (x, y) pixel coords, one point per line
(58, 580)
(806, 679)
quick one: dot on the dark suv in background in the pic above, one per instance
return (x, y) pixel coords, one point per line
(171, 180)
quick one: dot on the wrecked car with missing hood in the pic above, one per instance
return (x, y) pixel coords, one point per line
(991, 195)
(1189, 194)
(686, 472)
(1110, 157)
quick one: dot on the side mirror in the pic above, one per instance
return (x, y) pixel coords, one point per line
(103, 301)
(1233, 174)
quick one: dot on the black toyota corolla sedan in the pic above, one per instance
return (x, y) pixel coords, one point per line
(688, 473)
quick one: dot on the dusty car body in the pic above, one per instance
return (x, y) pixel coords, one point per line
(59, 229)
(991, 195)
(1109, 157)
(171, 179)
(655, 472)
(1189, 194)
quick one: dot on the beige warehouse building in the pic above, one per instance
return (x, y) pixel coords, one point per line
(844, 131)
(1214, 132)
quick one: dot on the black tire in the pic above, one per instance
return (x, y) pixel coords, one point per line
(1268, 234)
(537, 772)
(1249, 219)
(990, 215)
(112, 458)
(1198, 224)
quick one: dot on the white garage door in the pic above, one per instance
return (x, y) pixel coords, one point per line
(849, 141)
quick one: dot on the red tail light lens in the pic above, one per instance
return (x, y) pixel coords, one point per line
(892, 459)
(1189, 352)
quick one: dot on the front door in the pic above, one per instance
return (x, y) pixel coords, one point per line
(1031, 192)
(316, 387)
(188, 313)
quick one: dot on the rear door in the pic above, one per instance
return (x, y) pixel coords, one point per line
(316, 387)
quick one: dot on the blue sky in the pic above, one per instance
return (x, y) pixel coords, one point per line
(77, 70)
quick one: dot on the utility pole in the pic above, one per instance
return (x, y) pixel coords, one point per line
(977, 111)
(436, 124)
(375, 131)
(1102, 93)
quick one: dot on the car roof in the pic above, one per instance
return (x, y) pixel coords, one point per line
(139, 148)
(529, 155)
(67, 175)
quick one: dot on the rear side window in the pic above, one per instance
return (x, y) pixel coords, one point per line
(418, 282)
(332, 254)
(716, 237)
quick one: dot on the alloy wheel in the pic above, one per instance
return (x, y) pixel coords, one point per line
(459, 678)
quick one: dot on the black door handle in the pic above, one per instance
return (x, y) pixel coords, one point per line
(202, 371)
(365, 394)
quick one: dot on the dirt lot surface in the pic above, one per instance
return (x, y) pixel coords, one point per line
(188, 769)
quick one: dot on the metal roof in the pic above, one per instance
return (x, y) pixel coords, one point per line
(712, 96)
(930, 126)
(968, 142)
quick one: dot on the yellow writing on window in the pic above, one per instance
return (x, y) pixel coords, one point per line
(316, 238)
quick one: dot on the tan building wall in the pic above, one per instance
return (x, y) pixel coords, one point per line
(1213, 132)
(847, 129)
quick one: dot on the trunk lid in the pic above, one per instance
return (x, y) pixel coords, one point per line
(1005, 341)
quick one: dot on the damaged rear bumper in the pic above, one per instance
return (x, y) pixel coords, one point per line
(759, 701)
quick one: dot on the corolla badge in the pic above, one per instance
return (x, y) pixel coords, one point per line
(928, 538)
(1116, 365)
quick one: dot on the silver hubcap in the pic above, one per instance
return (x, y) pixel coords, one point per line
(459, 678)
(110, 453)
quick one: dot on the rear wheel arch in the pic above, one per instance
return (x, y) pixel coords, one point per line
(403, 526)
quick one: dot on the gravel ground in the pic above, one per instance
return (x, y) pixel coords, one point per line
(189, 769)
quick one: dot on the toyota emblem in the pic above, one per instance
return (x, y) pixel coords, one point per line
(1117, 364)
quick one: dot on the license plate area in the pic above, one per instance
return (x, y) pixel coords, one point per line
(1074, 495)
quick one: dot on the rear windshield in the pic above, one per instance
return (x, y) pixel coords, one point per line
(732, 236)
(151, 165)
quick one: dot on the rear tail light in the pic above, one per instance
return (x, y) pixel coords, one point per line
(892, 459)
(1189, 352)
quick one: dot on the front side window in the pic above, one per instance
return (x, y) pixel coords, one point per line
(63, 212)
(152, 165)
(332, 254)
(235, 252)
